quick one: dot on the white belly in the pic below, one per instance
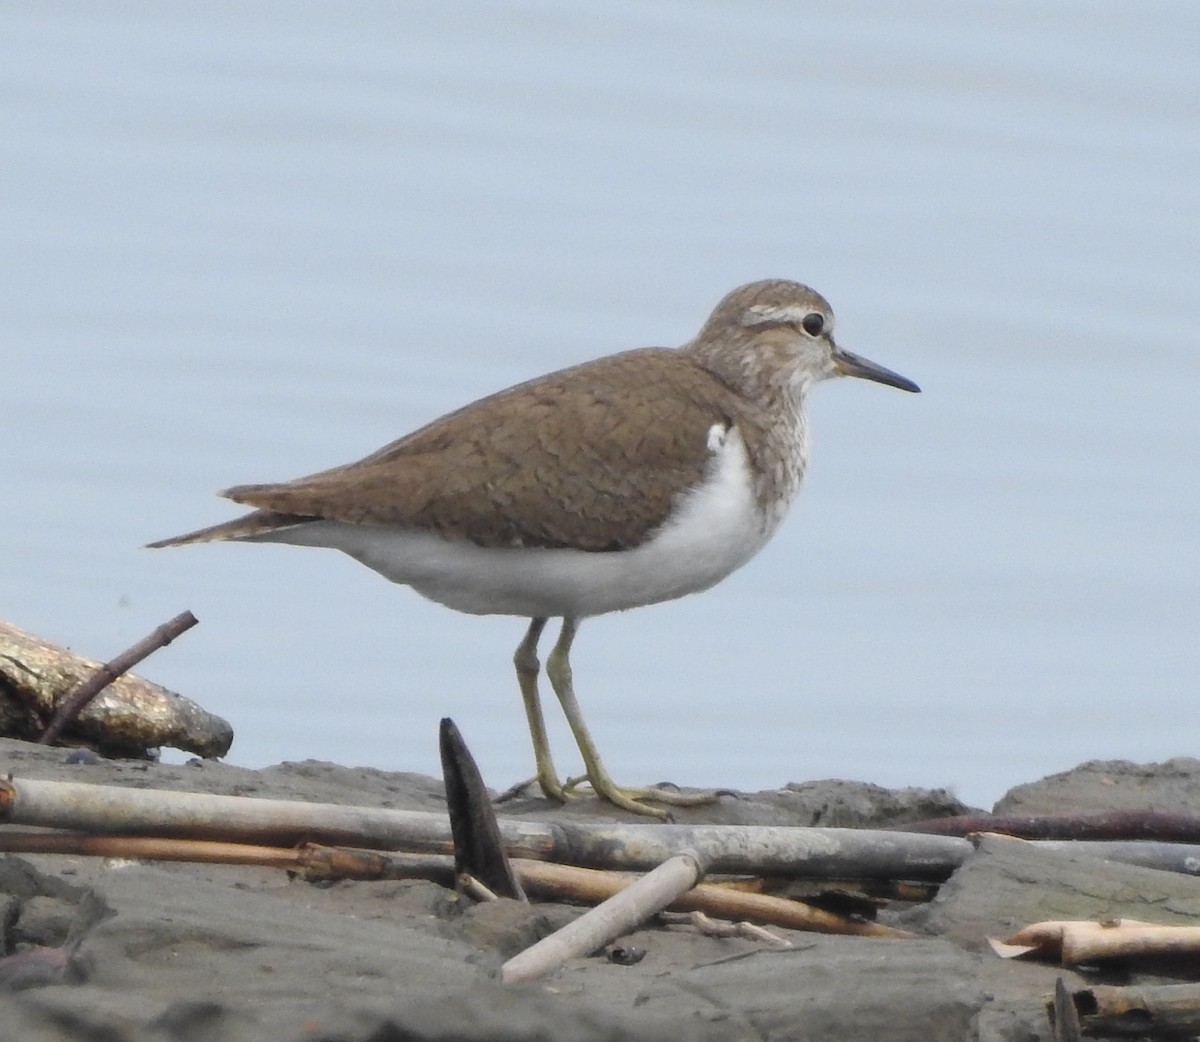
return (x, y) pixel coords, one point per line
(716, 529)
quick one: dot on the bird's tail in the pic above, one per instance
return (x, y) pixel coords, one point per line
(258, 523)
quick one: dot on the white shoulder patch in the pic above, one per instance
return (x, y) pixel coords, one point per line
(717, 434)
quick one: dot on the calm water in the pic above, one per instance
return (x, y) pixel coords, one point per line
(244, 242)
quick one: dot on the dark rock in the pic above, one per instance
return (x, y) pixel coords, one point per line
(1099, 786)
(1009, 883)
(503, 928)
(192, 953)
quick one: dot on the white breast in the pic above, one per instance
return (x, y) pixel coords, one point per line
(715, 529)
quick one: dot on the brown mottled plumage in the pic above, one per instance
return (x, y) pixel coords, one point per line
(500, 473)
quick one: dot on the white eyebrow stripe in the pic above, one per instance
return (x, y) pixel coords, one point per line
(761, 314)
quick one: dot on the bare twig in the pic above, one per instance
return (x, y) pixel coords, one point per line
(91, 686)
(546, 880)
(1125, 940)
(1088, 941)
(616, 916)
(148, 848)
(588, 885)
(1146, 853)
(1143, 1011)
(1117, 824)
(767, 850)
(467, 884)
(312, 860)
(723, 928)
(795, 852)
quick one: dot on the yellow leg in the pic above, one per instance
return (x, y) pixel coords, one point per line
(527, 664)
(558, 669)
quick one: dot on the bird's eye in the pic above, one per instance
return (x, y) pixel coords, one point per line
(813, 323)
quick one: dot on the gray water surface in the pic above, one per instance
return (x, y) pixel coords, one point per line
(244, 242)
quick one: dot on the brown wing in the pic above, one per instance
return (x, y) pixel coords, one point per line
(590, 457)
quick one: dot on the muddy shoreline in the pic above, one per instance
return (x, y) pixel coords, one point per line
(199, 952)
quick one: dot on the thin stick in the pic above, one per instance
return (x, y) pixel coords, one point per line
(766, 850)
(616, 916)
(1144, 1011)
(723, 928)
(465, 883)
(548, 881)
(1088, 941)
(562, 882)
(1091, 942)
(136, 848)
(1143, 824)
(770, 850)
(313, 860)
(91, 686)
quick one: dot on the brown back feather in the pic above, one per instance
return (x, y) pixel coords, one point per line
(591, 457)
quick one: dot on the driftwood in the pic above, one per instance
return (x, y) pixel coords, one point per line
(672, 885)
(1117, 824)
(194, 815)
(782, 851)
(849, 896)
(723, 928)
(1151, 1011)
(1162, 855)
(1124, 940)
(474, 889)
(561, 882)
(616, 916)
(1064, 1017)
(127, 718)
(314, 861)
(73, 703)
(731, 849)
(1086, 941)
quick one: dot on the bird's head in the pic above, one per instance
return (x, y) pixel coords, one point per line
(777, 331)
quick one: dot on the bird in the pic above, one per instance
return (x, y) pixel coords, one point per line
(632, 479)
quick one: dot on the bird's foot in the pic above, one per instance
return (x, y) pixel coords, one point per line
(550, 787)
(637, 800)
(527, 788)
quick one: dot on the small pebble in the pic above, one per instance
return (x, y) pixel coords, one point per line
(624, 954)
